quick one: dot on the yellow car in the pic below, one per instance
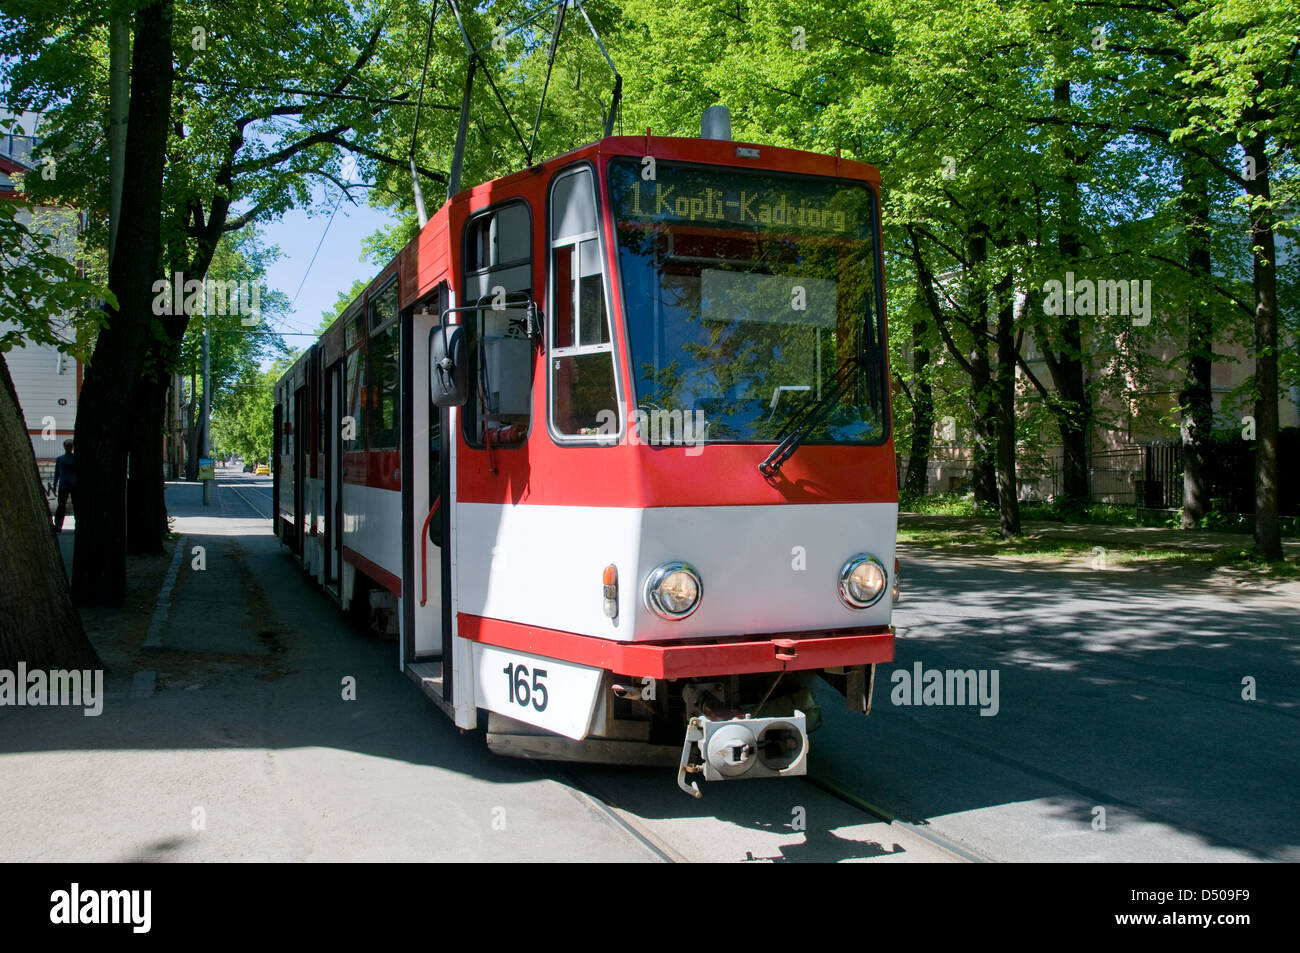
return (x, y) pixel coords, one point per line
(262, 470)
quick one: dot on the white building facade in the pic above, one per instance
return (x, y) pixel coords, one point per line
(46, 379)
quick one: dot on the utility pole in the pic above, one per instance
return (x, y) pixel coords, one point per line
(207, 409)
(119, 93)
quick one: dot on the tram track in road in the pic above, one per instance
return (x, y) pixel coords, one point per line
(916, 830)
(672, 830)
(249, 503)
(600, 799)
(595, 793)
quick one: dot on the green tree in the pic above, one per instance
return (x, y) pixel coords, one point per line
(345, 298)
(241, 145)
(242, 423)
(103, 431)
(237, 344)
(1242, 72)
(1018, 141)
(40, 292)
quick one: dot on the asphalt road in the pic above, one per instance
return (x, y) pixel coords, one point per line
(1118, 691)
(1120, 734)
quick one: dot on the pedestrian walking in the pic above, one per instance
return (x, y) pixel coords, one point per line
(65, 484)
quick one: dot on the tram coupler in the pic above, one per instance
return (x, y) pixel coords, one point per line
(734, 749)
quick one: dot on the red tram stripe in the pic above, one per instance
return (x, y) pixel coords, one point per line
(375, 571)
(822, 649)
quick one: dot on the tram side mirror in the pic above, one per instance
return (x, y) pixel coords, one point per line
(448, 366)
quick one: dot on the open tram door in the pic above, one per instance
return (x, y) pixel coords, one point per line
(277, 438)
(429, 649)
(332, 505)
(301, 435)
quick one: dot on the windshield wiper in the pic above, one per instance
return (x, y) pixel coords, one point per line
(802, 424)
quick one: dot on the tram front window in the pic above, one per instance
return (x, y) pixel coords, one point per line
(749, 297)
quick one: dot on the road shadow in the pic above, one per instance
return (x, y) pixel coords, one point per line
(1116, 690)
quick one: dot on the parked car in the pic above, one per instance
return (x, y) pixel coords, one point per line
(262, 470)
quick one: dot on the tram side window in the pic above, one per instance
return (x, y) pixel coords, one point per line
(499, 272)
(385, 370)
(322, 416)
(286, 439)
(354, 436)
(583, 387)
(291, 409)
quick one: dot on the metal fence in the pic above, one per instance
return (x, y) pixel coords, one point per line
(1149, 476)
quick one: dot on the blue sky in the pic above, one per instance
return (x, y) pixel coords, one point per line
(336, 267)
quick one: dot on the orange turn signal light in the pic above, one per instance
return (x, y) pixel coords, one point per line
(610, 578)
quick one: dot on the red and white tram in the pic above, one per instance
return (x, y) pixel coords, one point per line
(607, 447)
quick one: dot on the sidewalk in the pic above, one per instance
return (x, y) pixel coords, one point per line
(197, 604)
(227, 734)
(209, 603)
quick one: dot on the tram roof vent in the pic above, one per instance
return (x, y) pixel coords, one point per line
(716, 123)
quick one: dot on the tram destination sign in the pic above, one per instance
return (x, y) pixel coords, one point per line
(689, 194)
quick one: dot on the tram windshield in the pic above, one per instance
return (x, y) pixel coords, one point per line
(750, 297)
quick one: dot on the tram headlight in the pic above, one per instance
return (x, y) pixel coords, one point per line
(862, 581)
(673, 590)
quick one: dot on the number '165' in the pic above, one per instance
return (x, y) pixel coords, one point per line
(518, 688)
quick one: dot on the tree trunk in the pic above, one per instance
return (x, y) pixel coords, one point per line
(146, 493)
(99, 564)
(976, 364)
(1072, 420)
(192, 434)
(1005, 410)
(146, 487)
(1073, 408)
(1268, 531)
(1196, 399)
(982, 396)
(146, 505)
(918, 461)
(38, 624)
(984, 481)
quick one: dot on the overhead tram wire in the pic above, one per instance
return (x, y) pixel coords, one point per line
(317, 251)
(475, 55)
(475, 58)
(418, 193)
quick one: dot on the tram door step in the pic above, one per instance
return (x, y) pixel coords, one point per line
(428, 675)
